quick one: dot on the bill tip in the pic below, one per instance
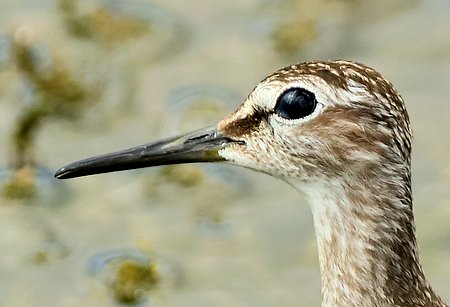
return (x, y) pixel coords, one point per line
(61, 173)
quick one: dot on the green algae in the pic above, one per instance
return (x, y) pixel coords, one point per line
(56, 93)
(21, 185)
(102, 24)
(133, 280)
(291, 36)
(182, 175)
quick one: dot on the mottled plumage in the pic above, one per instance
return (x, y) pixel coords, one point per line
(350, 156)
(352, 160)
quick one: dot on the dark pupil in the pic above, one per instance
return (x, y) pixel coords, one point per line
(295, 103)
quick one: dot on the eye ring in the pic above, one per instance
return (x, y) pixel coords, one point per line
(295, 103)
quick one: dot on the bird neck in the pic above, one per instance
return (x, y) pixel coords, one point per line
(366, 242)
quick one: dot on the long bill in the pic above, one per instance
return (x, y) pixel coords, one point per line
(199, 146)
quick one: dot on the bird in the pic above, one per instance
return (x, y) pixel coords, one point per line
(339, 133)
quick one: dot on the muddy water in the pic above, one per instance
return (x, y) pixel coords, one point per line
(194, 235)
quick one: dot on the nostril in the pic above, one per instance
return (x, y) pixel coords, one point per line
(199, 137)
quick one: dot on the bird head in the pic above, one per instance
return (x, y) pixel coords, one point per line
(311, 121)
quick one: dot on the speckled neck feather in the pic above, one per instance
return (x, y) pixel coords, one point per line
(367, 246)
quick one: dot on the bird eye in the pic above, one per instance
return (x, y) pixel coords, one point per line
(295, 103)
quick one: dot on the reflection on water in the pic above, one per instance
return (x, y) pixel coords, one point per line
(79, 78)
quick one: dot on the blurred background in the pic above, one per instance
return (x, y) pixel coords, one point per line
(80, 78)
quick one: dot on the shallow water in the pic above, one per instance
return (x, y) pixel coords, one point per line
(218, 235)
